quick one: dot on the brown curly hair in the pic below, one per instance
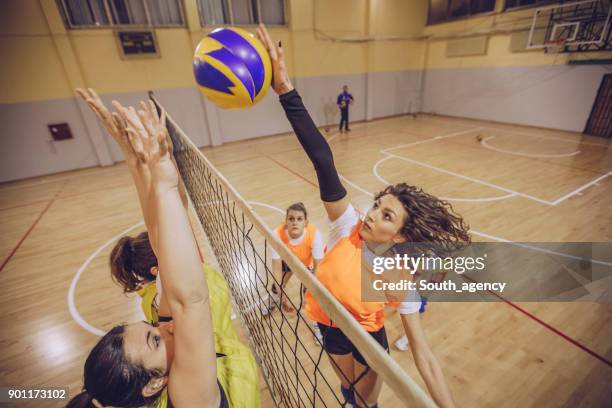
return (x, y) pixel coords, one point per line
(429, 219)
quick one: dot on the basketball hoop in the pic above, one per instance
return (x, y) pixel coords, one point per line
(555, 46)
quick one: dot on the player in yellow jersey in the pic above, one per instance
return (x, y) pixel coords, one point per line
(124, 370)
(400, 213)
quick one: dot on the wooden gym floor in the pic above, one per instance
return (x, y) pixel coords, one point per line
(516, 183)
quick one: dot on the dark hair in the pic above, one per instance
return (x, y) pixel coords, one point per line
(111, 378)
(297, 207)
(429, 219)
(131, 261)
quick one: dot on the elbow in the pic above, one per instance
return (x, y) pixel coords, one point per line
(189, 299)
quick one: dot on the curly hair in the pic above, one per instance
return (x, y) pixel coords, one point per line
(429, 219)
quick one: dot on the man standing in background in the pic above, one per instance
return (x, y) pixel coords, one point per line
(344, 100)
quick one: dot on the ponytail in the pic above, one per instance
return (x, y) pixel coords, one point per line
(82, 400)
(131, 261)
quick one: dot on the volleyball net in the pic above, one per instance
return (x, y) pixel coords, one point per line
(293, 362)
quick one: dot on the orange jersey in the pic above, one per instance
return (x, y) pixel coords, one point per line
(303, 250)
(340, 272)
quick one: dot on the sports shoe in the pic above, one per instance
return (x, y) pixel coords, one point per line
(317, 333)
(402, 343)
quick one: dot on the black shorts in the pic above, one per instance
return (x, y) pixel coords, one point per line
(335, 342)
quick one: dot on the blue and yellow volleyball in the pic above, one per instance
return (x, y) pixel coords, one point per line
(232, 68)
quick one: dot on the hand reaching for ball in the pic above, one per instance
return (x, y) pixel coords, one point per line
(280, 79)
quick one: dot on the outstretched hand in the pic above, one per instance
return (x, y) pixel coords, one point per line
(280, 78)
(113, 122)
(148, 137)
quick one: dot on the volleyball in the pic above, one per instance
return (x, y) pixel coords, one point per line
(232, 68)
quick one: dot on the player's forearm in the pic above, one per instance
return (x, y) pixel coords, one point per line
(315, 146)
(142, 182)
(182, 277)
(430, 370)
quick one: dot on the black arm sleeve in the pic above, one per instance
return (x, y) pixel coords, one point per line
(315, 146)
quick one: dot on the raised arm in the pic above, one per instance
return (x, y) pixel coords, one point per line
(333, 193)
(115, 125)
(193, 378)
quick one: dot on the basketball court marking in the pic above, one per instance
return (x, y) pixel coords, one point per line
(510, 303)
(483, 199)
(561, 139)
(76, 316)
(510, 192)
(532, 155)
(74, 312)
(29, 230)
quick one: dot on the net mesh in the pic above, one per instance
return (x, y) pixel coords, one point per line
(293, 362)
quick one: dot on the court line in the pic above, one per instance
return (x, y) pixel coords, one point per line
(431, 139)
(483, 199)
(561, 139)
(291, 171)
(510, 303)
(542, 156)
(76, 316)
(524, 195)
(74, 312)
(29, 230)
(547, 325)
(24, 205)
(579, 189)
(493, 237)
(474, 180)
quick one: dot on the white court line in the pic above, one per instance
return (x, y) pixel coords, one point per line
(579, 189)
(493, 237)
(71, 305)
(266, 205)
(483, 199)
(543, 156)
(76, 316)
(333, 137)
(350, 183)
(561, 139)
(484, 183)
(432, 139)
(546, 251)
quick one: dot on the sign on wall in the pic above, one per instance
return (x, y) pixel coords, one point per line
(137, 44)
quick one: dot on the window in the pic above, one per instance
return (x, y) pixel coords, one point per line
(510, 4)
(448, 10)
(106, 13)
(241, 12)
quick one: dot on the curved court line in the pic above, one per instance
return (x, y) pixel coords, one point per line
(74, 312)
(483, 199)
(71, 305)
(541, 156)
(266, 205)
(482, 234)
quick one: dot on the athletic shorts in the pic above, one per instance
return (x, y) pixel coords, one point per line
(335, 342)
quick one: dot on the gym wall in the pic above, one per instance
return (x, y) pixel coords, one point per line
(411, 67)
(493, 77)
